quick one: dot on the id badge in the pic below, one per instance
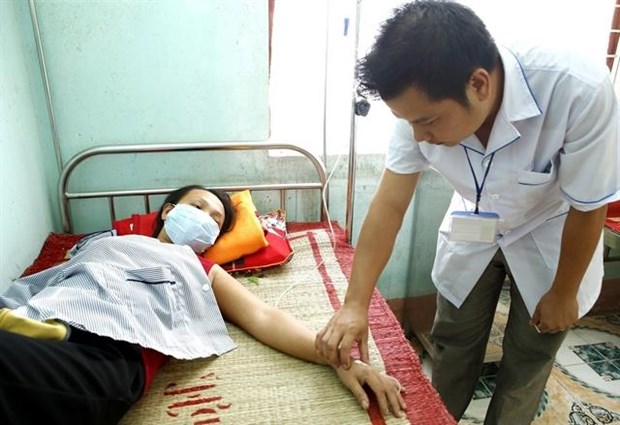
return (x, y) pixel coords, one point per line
(470, 227)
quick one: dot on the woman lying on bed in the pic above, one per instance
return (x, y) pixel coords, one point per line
(121, 294)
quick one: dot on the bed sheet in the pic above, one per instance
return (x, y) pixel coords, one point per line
(255, 384)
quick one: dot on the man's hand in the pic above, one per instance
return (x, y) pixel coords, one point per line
(347, 326)
(555, 312)
(386, 389)
(558, 309)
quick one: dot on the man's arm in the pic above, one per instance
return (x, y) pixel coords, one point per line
(378, 234)
(557, 310)
(374, 247)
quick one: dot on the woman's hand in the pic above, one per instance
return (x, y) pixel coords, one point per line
(386, 389)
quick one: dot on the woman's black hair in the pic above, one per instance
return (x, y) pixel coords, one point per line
(432, 45)
(177, 195)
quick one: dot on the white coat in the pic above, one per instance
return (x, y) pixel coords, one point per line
(554, 144)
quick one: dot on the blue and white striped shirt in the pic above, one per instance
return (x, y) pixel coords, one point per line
(130, 288)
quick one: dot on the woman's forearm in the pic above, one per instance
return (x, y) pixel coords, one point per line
(283, 332)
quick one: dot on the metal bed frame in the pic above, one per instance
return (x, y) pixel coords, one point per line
(67, 196)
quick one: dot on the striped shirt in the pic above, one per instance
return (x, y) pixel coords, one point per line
(130, 288)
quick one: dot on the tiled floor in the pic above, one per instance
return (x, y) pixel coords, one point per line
(584, 386)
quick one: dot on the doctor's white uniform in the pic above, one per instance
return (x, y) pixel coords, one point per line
(554, 145)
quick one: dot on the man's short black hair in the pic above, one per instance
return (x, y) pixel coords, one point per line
(433, 45)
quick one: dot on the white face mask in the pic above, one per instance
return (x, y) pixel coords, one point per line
(187, 225)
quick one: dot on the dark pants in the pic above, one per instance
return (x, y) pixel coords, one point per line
(88, 379)
(460, 337)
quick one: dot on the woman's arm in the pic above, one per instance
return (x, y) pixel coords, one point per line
(282, 331)
(269, 325)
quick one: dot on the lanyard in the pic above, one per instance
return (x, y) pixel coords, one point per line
(484, 179)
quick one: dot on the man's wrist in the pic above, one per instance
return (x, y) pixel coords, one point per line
(564, 290)
(356, 302)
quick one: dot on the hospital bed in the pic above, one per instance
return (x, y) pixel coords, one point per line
(255, 384)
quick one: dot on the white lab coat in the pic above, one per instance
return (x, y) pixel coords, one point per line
(555, 144)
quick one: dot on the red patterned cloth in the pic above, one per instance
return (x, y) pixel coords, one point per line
(613, 216)
(53, 252)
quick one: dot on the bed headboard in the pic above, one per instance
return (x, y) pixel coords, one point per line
(66, 196)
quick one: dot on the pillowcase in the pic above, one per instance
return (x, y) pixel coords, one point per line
(246, 235)
(137, 224)
(278, 252)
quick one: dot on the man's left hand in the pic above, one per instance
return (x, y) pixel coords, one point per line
(555, 312)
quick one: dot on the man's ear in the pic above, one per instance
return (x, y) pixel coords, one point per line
(480, 82)
(165, 210)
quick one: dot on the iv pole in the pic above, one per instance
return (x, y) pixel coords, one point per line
(352, 148)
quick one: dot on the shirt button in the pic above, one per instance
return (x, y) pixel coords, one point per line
(495, 196)
(205, 287)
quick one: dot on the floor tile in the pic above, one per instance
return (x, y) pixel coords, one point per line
(593, 336)
(589, 379)
(475, 412)
(587, 353)
(609, 350)
(565, 355)
(427, 366)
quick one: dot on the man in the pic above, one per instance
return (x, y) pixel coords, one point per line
(529, 141)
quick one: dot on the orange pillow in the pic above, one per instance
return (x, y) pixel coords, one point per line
(246, 235)
(277, 253)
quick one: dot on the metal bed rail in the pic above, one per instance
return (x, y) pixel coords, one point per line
(66, 196)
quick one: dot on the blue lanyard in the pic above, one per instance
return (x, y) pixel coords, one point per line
(484, 179)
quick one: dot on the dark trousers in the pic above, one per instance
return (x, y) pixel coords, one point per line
(460, 338)
(88, 379)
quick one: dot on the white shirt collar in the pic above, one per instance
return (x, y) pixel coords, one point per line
(518, 102)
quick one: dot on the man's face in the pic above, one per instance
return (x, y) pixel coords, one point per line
(445, 122)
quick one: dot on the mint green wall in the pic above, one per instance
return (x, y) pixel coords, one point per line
(408, 271)
(25, 140)
(132, 71)
(162, 71)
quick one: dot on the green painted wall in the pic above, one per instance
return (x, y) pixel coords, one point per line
(162, 71)
(25, 139)
(408, 272)
(156, 71)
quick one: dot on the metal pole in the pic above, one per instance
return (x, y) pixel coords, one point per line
(325, 96)
(46, 84)
(352, 148)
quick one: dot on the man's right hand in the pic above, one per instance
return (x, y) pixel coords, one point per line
(347, 326)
